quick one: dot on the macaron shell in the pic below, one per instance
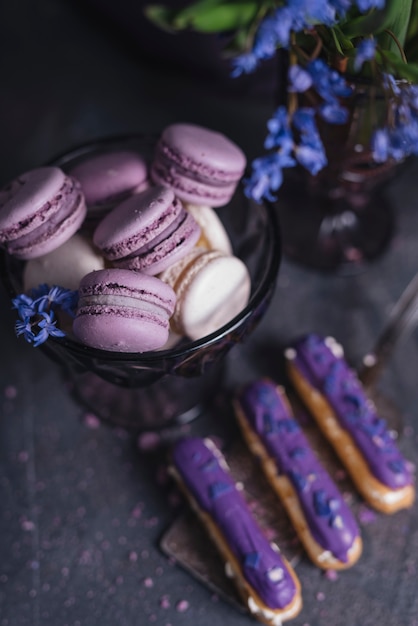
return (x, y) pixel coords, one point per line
(191, 190)
(123, 283)
(123, 311)
(56, 234)
(211, 291)
(106, 177)
(65, 266)
(28, 201)
(213, 234)
(109, 330)
(136, 221)
(69, 215)
(203, 151)
(202, 166)
(166, 253)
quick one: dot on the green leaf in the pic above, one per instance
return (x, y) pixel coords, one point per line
(206, 16)
(161, 16)
(408, 71)
(220, 18)
(394, 17)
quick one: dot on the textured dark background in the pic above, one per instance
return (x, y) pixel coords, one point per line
(82, 508)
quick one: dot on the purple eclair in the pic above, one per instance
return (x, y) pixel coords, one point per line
(313, 502)
(334, 395)
(39, 211)
(201, 165)
(149, 232)
(265, 580)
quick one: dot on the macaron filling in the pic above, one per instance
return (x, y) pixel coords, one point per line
(67, 208)
(36, 213)
(203, 172)
(125, 297)
(167, 250)
(145, 234)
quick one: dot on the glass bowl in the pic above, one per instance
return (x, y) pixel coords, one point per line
(152, 390)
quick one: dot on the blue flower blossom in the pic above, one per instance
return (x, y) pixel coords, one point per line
(329, 84)
(280, 134)
(333, 113)
(244, 64)
(366, 51)
(367, 5)
(36, 312)
(24, 305)
(299, 79)
(267, 176)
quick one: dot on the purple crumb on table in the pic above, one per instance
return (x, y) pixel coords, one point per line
(91, 421)
(366, 515)
(133, 556)
(165, 602)
(23, 456)
(331, 574)
(320, 596)
(10, 392)
(148, 582)
(182, 606)
(148, 441)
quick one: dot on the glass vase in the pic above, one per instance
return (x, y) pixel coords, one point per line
(341, 218)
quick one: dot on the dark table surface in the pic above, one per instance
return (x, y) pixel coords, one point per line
(83, 508)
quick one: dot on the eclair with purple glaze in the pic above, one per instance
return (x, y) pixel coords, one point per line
(321, 518)
(332, 392)
(264, 579)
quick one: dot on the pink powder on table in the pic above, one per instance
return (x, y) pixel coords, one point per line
(10, 392)
(366, 515)
(331, 574)
(91, 421)
(182, 606)
(148, 441)
(133, 556)
(165, 602)
(148, 582)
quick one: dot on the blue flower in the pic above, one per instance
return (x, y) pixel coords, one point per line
(24, 305)
(328, 82)
(46, 298)
(244, 64)
(267, 176)
(380, 145)
(310, 152)
(280, 134)
(299, 79)
(367, 5)
(266, 38)
(333, 113)
(365, 52)
(39, 329)
(48, 328)
(36, 312)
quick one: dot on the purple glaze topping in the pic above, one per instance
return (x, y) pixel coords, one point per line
(330, 520)
(215, 492)
(331, 376)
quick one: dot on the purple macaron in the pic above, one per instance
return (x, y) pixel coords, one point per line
(202, 166)
(149, 232)
(109, 178)
(39, 211)
(123, 311)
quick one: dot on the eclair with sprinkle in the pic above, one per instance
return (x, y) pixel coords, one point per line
(263, 577)
(335, 397)
(321, 518)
